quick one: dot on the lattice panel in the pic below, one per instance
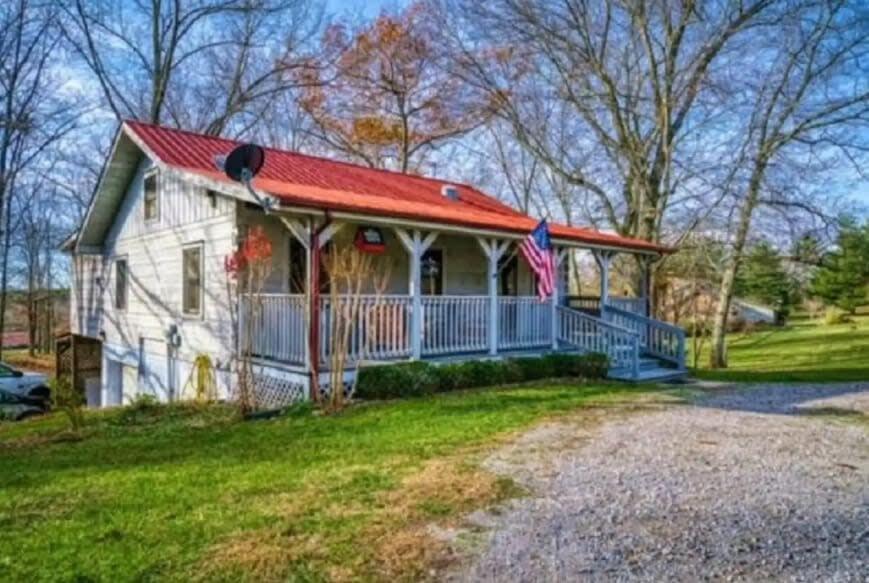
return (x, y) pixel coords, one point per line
(326, 389)
(271, 392)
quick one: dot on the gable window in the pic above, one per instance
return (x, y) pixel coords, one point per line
(432, 268)
(121, 275)
(192, 284)
(152, 202)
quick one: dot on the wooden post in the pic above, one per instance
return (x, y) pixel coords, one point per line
(73, 377)
(557, 291)
(318, 239)
(493, 250)
(646, 284)
(603, 262)
(415, 245)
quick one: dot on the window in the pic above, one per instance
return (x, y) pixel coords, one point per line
(121, 275)
(192, 284)
(432, 268)
(5, 371)
(296, 283)
(212, 198)
(152, 207)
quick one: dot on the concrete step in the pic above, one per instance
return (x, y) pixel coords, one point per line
(648, 375)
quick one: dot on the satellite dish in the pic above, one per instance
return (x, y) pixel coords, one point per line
(244, 162)
(241, 165)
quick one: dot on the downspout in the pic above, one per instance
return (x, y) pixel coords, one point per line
(314, 327)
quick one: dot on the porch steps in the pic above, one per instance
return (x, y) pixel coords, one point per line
(651, 370)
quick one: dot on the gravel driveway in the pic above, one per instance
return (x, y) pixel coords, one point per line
(765, 482)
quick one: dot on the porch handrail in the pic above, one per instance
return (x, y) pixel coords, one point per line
(591, 334)
(454, 323)
(380, 330)
(523, 322)
(633, 305)
(277, 326)
(660, 339)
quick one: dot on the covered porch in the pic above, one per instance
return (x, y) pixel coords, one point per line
(451, 295)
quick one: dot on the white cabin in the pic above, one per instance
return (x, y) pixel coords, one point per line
(149, 280)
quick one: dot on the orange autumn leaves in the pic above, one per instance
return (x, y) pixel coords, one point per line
(385, 95)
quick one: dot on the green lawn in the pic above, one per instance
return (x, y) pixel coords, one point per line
(804, 350)
(183, 493)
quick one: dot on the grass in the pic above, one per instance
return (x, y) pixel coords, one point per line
(20, 358)
(803, 351)
(181, 493)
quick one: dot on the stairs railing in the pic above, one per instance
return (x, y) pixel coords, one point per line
(659, 339)
(592, 334)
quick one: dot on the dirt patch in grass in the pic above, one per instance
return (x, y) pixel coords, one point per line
(438, 494)
(395, 540)
(264, 555)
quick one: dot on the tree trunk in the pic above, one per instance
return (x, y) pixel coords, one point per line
(718, 353)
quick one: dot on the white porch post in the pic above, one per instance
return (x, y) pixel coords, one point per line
(646, 284)
(415, 245)
(557, 290)
(303, 231)
(493, 250)
(603, 261)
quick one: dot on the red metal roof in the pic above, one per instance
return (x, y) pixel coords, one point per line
(308, 181)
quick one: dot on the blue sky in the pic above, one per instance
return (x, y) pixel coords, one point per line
(367, 8)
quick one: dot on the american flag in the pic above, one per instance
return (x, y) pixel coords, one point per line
(537, 249)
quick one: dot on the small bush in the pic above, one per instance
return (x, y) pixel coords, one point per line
(451, 376)
(142, 409)
(68, 400)
(408, 379)
(421, 378)
(534, 369)
(834, 315)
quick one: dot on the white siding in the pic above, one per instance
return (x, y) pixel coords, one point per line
(86, 295)
(137, 335)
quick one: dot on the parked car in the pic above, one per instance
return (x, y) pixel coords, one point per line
(17, 407)
(33, 386)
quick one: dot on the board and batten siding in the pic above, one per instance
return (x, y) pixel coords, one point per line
(137, 334)
(86, 294)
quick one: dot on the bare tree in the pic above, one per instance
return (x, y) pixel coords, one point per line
(809, 102)
(630, 74)
(33, 115)
(201, 64)
(352, 312)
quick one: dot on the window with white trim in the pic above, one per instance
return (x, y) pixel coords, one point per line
(121, 277)
(151, 199)
(191, 266)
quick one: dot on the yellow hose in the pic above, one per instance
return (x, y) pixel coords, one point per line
(201, 379)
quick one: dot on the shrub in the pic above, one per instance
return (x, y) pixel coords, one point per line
(421, 378)
(596, 365)
(534, 369)
(451, 376)
(142, 409)
(834, 315)
(408, 379)
(68, 400)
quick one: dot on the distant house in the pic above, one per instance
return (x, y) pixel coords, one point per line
(749, 312)
(149, 279)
